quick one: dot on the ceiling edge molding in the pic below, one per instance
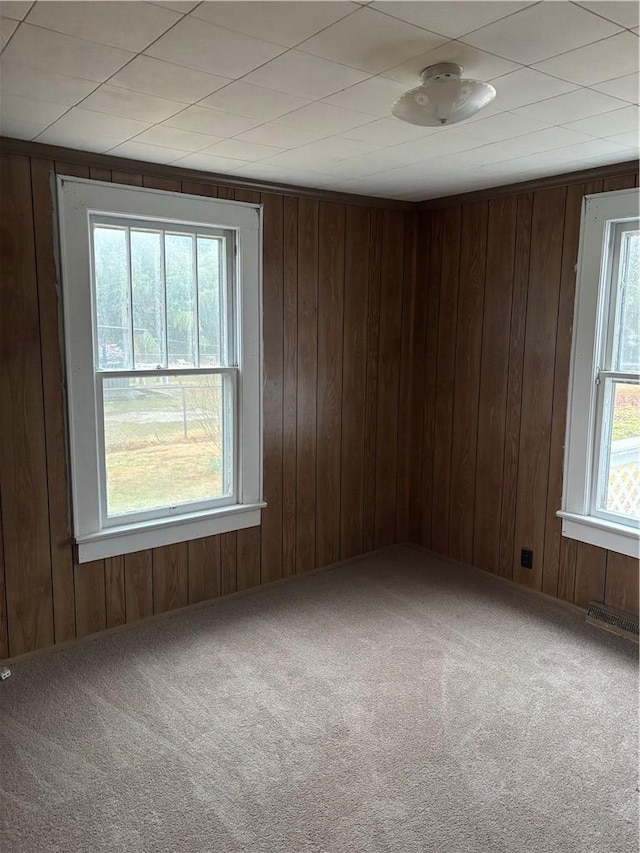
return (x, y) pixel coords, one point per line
(121, 164)
(629, 167)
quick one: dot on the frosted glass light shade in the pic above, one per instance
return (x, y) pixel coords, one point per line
(444, 97)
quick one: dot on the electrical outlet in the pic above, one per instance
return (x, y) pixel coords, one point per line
(526, 558)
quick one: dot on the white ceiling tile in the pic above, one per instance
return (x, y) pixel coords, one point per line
(494, 152)
(283, 23)
(324, 117)
(475, 63)
(183, 6)
(15, 9)
(609, 124)
(388, 131)
(166, 80)
(175, 137)
(626, 88)
(306, 76)
(20, 129)
(545, 140)
(374, 96)
(244, 99)
(7, 29)
(450, 19)
(501, 126)
(587, 151)
(205, 47)
(130, 104)
(527, 86)
(611, 57)
(628, 140)
(573, 106)
(211, 121)
(371, 41)
(358, 167)
(435, 145)
(238, 149)
(541, 31)
(332, 148)
(87, 123)
(281, 136)
(63, 54)
(129, 25)
(27, 110)
(624, 12)
(279, 174)
(43, 86)
(209, 163)
(134, 150)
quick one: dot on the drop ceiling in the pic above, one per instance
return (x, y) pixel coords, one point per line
(301, 92)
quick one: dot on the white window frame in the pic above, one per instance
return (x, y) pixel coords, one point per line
(78, 199)
(592, 334)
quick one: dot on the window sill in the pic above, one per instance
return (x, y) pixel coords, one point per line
(604, 534)
(127, 538)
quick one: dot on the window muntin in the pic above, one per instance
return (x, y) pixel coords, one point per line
(211, 380)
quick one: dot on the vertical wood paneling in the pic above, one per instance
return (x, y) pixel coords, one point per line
(408, 513)
(621, 589)
(553, 526)
(128, 178)
(272, 522)
(4, 628)
(331, 225)
(443, 414)
(537, 391)
(467, 380)
(170, 577)
(228, 562)
(307, 382)
(23, 463)
(248, 559)
(494, 371)
(115, 596)
(389, 377)
(428, 278)
(514, 384)
(590, 571)
(90, 595)
(290, 385)
(204, 569)
(54, 423)
(138, 585)
(354, 377)
(567, 569)
(371, 390)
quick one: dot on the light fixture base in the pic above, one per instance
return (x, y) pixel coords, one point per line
(442, 69)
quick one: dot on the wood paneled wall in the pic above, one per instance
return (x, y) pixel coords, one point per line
(337, 386)
(498, 282)
(416, 381)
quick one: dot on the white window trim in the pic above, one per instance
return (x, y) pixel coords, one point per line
(77, 199)
(592, 300)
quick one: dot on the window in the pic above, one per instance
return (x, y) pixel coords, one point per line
(601, 501)
(162, 312)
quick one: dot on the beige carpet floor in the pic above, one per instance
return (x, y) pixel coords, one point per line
(396, 704)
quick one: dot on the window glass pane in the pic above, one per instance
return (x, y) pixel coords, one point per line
(165, 441)
(211, 314)
(112, 298)
(181, 303)
(621, 449)
(147, 287)
(628, 331)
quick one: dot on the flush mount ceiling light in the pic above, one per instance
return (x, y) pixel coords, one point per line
(443, 98)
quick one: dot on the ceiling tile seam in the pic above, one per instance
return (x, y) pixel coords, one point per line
(600, 15)
(4, 46)
(562, 52)
(295, 46)
(19, 20)
(458, 37)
